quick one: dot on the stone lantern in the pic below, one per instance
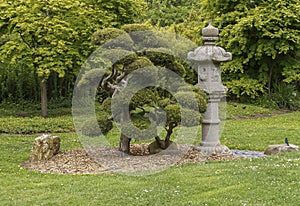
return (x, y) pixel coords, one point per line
(207, 59)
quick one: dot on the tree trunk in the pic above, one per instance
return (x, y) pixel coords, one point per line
(270, 80)
(160, 143)
(169, 133)
(44, 99)
(124, 145)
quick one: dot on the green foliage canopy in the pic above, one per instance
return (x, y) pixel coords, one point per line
(52, 38)
(264, 38)
(42, 34)
(167, 12)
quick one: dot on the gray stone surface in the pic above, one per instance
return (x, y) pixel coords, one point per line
(44, 147)
(248, 153)
(207, 59)
(280, 148)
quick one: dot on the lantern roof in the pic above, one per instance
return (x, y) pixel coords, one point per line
(209, 51)
(210, 34)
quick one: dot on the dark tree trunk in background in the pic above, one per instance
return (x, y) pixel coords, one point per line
(270, 80)
(44, 100)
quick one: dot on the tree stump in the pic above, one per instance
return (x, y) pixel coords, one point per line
(44, 147)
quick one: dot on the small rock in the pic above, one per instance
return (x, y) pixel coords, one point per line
(44, 147)
(280, 148)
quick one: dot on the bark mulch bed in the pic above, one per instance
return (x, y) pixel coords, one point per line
(107, 159)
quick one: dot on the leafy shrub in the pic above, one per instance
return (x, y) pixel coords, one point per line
(95, 61)
(283, 96)
(112, 38)
(245, 87)
(135, 27)
(164, 102)
(106, 105)
(265, 101)
(189, 94)
(173, 113)
(160, 58)
(190, 118)
(105, 124)
(139, 131)
(143, 97)
(26, 125)
(104, 35)
(140, 121)
(59, 103)
(114, 55)
(23, 108)
(140, 62)
(95, 128)
(91, 77)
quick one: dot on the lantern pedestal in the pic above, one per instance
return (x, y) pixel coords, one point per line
(210, 143)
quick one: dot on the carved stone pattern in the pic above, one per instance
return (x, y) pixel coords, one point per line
(203, 73)
(216, 75)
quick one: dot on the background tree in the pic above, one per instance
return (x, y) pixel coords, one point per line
(264, 39)
(52, 38)
(167, 12)
(118, 12)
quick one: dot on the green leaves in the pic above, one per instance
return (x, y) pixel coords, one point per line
(145, 77)
(44, 32)
(35, 125)
(263, 36)
(165, 13)
(245, 87)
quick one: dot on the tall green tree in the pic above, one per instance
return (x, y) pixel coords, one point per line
(40, 34)
(54, 36)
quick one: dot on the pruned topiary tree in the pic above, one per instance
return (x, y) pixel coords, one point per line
(146, 84)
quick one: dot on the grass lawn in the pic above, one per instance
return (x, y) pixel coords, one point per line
(257, 134)
(265, 181)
